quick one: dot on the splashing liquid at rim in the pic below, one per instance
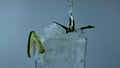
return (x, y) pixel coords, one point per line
(55, 31)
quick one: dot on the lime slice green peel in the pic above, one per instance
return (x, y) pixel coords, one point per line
(34, 38)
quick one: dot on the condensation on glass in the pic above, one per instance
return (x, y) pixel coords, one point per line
(62, 53)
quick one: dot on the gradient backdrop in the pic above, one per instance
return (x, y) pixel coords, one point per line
(19, 17)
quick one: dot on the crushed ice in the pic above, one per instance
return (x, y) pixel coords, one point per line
(56, 31)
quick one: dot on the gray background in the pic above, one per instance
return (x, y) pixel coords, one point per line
(19, 17)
